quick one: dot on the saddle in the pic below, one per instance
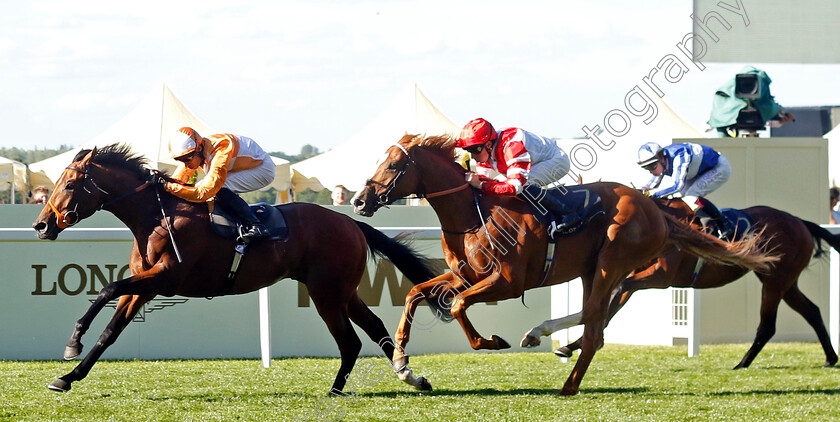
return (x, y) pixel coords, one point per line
(579, 199)
(228, 225)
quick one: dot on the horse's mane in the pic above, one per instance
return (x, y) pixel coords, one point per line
(119, 155)
(443, 145)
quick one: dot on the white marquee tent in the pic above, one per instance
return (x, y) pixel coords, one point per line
(13, 176)
(833, 137)
(618, 164)
(352, 162)
(147, 129)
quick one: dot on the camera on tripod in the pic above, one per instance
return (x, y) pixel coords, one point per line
(743, 105)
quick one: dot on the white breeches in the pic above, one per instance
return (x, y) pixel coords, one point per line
(251, 179)
(709, 181)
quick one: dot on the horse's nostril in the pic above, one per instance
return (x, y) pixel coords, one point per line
(39, 226)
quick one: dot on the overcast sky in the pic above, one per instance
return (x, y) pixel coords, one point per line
(290, 73)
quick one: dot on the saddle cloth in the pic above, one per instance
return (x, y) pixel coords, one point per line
(227, 225)
(582, 200)
(742, 222)
(739, 219)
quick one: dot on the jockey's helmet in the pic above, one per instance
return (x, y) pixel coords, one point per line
(476, 132)
(183, 142)
(648, 153)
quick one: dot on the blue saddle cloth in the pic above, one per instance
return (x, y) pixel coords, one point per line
(742, 222)
(227, 225)
(582, 200)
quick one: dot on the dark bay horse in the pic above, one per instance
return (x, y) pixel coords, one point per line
(502, 255)
(325, 250)
(793, 239)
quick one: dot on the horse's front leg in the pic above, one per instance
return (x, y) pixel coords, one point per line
(131, 285)
(438, 287)
(490, 289)
(127, 308)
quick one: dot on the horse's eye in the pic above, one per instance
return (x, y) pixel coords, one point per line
(70, 185)
(392, 165)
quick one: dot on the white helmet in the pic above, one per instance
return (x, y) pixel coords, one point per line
(183, 142)
(648, 152)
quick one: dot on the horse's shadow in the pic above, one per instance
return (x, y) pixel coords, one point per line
(827, 391)
(490, 392)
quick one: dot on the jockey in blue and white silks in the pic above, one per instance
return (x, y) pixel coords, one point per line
(696, 170)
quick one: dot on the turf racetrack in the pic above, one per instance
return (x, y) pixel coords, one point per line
(785, 383)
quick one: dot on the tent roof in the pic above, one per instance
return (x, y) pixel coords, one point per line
(618, 164)
(352, 162)
(145, 129)
(12, 171)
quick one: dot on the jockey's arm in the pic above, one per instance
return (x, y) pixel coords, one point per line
(212, 181)
(679, 174)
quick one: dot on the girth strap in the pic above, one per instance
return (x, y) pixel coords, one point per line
(230, 280)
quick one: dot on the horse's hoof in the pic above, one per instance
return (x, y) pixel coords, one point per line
(72, 352)
(739, 366)
(529, 341)
(59, 385)
(423, 384)
(830, 363)
(501, 342)
(563, 352)
(568, 391)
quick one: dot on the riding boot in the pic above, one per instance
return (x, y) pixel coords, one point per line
(725, 227)
(252, 228)
(568, 217)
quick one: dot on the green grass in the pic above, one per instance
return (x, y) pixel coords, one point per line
(624, 383)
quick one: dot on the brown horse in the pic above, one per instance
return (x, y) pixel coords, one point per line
(792, 238)
(503, 255)
(324, 250)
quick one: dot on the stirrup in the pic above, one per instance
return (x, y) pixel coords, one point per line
(552, 229)
(254, 231)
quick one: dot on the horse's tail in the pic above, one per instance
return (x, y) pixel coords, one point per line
(819, 234)
(413, 265)
(747, 252)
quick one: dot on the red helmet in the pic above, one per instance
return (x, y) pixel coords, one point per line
(476, 132)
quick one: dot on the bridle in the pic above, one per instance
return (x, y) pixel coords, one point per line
(71, 218)
(384, 198)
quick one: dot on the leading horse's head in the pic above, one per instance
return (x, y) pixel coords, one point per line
(87, 184)
(409, 167)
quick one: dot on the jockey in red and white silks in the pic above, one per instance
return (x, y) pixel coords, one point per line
(517, 155)
(521, 158)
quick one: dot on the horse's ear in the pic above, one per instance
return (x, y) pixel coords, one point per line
(88, 157)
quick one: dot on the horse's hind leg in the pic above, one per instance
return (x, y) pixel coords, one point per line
(797, 300)
(127, 308)
(335, 316)
(363, 317)
(360, 314)
(771, 296)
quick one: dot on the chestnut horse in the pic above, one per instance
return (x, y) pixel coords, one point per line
(501, 256)
(324, 250)
(792, 238)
